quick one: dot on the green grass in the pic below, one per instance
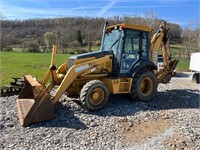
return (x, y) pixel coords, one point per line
(93, 48)
(183, 64)
(17, 64)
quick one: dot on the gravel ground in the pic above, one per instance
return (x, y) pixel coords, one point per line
(170, 121)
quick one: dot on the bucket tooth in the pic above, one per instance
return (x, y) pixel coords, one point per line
(34, 103)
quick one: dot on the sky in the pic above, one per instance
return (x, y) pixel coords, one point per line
(177, 11)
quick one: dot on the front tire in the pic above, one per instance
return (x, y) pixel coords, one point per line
(144, 86)
(94, 95)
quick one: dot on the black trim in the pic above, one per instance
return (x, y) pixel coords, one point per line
(53, 67)
(141, 65)
(98, 54)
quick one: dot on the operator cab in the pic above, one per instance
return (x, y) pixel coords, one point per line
(129, 43)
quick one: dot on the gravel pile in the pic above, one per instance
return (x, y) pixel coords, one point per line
(170, 121)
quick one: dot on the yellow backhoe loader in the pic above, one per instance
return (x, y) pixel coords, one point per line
(125, 64)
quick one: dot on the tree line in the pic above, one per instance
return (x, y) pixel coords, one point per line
(69, 32)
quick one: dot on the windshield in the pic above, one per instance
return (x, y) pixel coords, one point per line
(111, 40)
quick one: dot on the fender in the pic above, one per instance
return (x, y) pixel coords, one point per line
(149, 65)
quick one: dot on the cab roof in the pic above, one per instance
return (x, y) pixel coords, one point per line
(131, 26)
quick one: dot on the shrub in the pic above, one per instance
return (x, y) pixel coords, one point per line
(71, 53)
(81, 51)
(32, 46)
(7, 48)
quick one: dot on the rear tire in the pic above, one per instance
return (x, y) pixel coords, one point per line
(144, 86)
(94, 95)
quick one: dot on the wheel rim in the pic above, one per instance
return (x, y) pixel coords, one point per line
(97, 96)
(146, 86)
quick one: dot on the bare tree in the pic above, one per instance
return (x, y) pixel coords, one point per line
(151, 18)
(175, 34)
(197, 35)
(2, 16)
(50, 39)
(59, 30)
(191, 37)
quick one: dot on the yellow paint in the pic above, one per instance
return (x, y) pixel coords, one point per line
(118, 85)
(72, 75)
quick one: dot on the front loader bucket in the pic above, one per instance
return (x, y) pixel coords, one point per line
(34, 103)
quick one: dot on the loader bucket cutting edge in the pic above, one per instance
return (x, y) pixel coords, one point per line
(34, 103)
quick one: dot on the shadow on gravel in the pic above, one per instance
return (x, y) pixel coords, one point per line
(121, 105)
(183, 75)
(63, 118)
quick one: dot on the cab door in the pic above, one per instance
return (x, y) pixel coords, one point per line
(130, 50)
(135, 48)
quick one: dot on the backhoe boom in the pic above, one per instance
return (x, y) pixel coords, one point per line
(160, 44)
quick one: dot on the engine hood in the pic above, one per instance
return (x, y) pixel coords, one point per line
(97, 54)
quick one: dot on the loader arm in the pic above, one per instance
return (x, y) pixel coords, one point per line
(160, 42)
(48, 74)
(77, 71)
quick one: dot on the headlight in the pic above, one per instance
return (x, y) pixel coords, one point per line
(70, 63)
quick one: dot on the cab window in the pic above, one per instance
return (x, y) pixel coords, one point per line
(130, 50)
(135, 48)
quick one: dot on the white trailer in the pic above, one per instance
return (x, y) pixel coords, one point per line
(195, 66)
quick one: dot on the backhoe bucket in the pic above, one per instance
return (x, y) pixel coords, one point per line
(172, 66)
(34, 103)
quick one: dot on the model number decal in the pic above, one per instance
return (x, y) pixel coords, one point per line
(93, 69)
(81, 68)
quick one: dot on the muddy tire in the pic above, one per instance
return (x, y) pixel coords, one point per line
(94, 95)
(144, 86)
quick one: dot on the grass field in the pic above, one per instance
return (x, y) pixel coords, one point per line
(183, 64)
(17, 64)
(86, 48)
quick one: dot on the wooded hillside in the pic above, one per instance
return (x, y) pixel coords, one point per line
(37, 34)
